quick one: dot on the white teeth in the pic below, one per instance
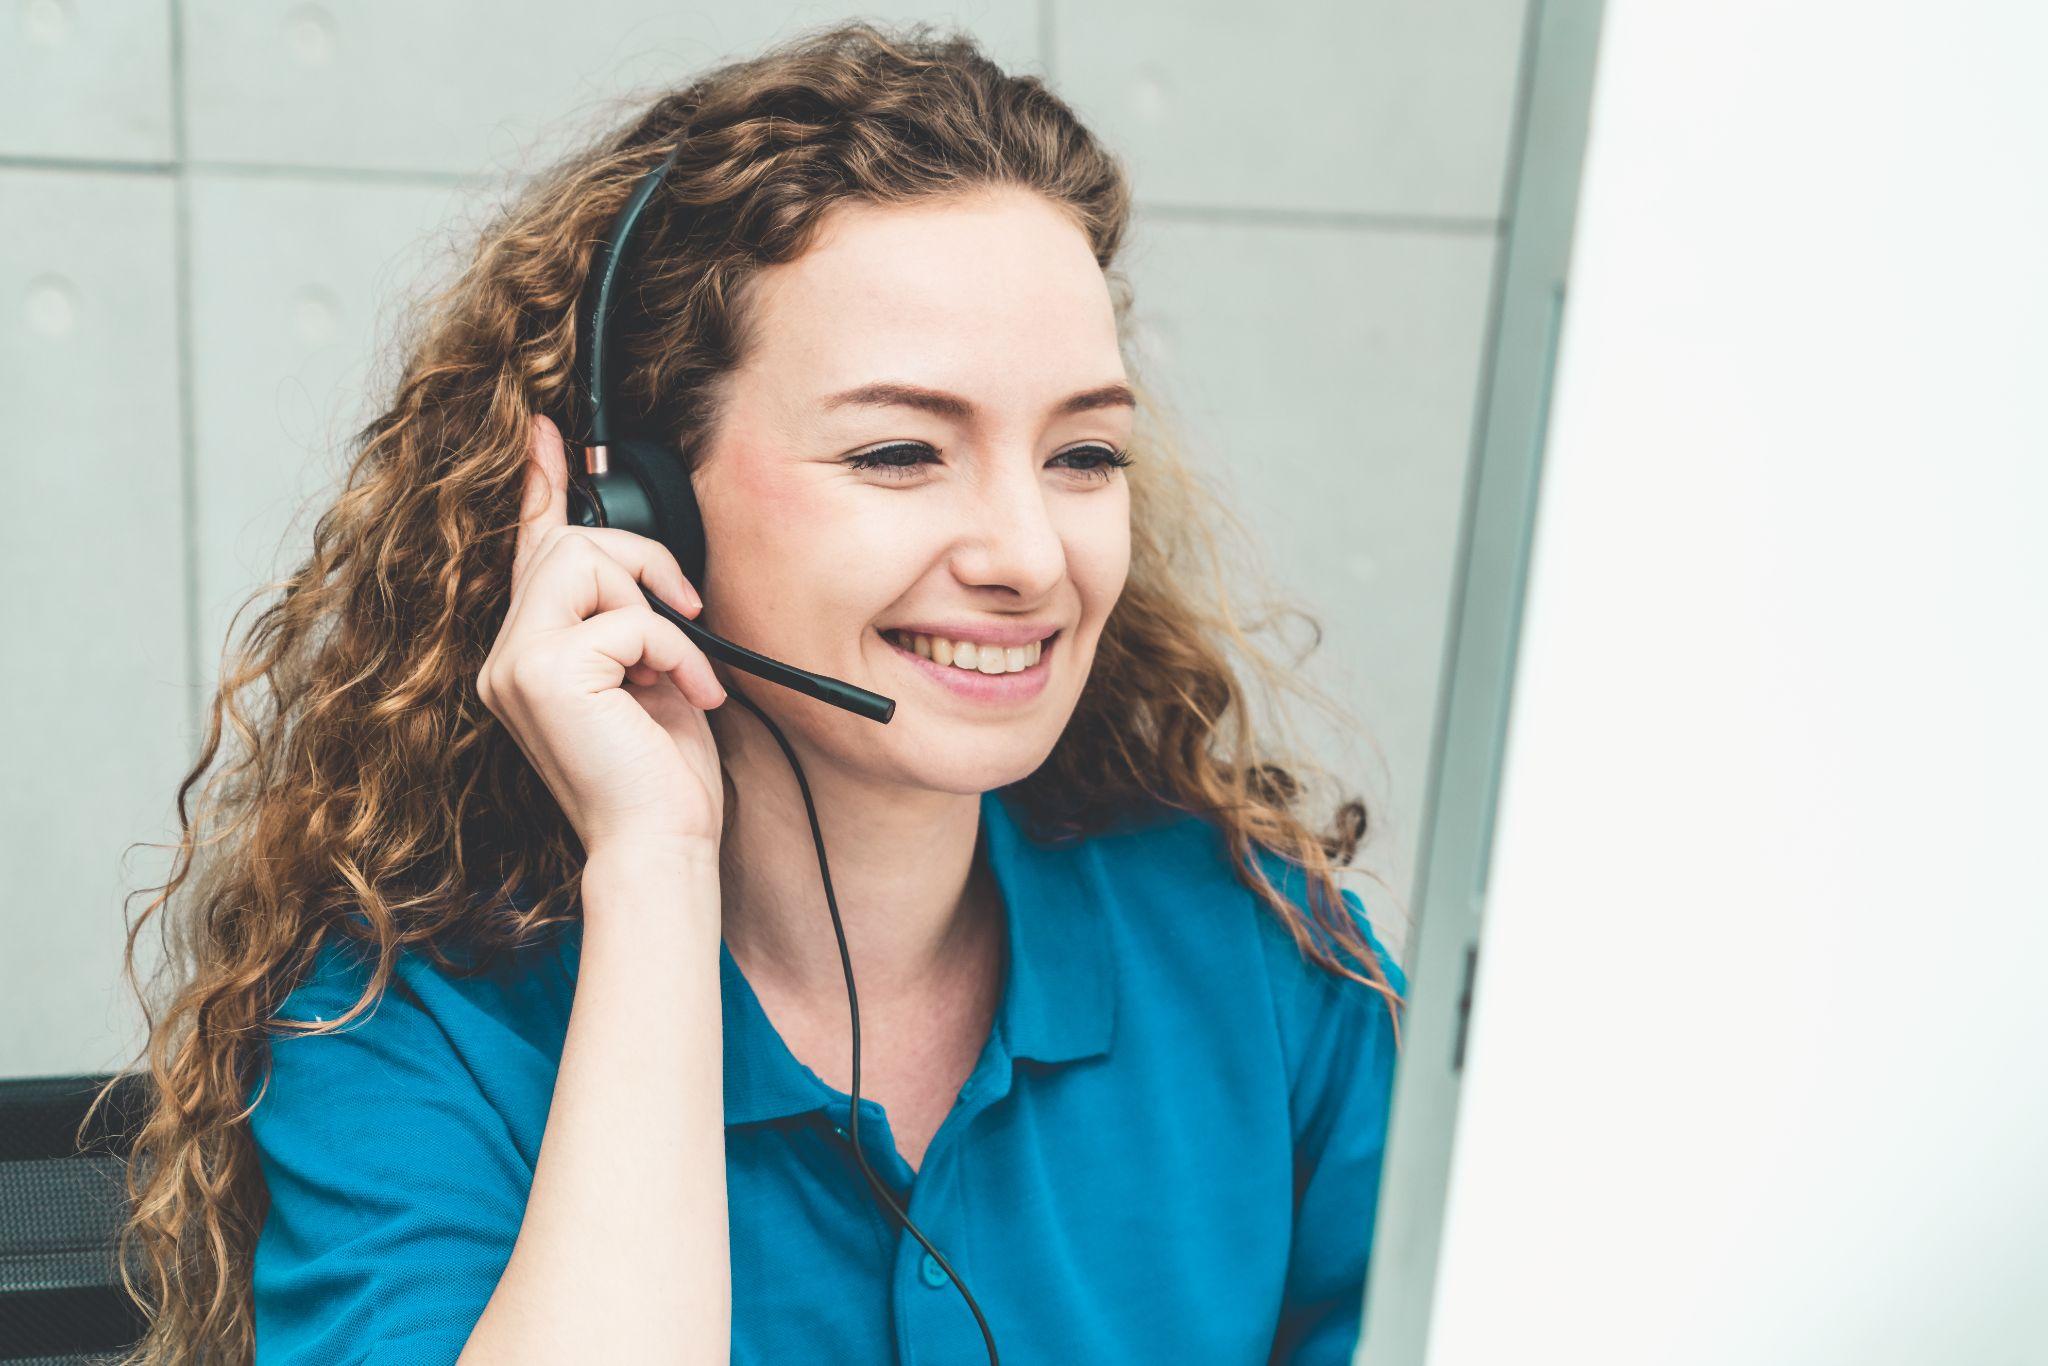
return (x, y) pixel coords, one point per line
(965, 654)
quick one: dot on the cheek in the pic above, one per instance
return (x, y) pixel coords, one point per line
(789, 563)
(888, 531)
(757, 560)
(1099, 554)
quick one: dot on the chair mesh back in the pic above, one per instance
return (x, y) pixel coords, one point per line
(61, 1207)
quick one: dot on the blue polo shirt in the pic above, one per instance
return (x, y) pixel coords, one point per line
(1169, 1149)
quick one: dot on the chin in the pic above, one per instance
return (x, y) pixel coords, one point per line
(976, 768)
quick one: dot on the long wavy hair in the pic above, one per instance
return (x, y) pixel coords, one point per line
(369, 794)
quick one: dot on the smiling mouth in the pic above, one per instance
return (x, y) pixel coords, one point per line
(969, 658)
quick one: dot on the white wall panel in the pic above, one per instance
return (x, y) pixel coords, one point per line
(296, 287)
(1397, 107)
(85, 79)
(480, 86)
(1325, 377)
(92, 698)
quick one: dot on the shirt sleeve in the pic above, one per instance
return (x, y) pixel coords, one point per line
(1340, 1044)
(396, 1189)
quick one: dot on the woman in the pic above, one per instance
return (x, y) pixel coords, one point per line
(511, 1022)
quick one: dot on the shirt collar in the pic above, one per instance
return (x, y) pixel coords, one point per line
(1059, 991)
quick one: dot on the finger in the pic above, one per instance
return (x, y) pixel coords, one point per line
(630, 636)
(698, 680)
(544, 496)
(581, 571)
(705, 697)
(648, 560)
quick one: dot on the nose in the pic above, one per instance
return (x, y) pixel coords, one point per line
(1015, 542)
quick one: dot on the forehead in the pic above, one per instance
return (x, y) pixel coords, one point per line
(996, 286)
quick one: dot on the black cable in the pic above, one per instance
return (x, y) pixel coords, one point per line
(853, 1003)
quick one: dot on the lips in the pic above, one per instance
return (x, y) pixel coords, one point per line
(974, 685)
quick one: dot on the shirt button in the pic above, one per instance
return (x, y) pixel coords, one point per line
(934, 1274)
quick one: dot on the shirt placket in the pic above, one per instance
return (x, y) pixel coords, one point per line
(932, 1321)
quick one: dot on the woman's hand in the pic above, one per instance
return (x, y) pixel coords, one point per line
(605, 698)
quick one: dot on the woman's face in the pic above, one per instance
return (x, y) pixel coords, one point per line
(994, 517)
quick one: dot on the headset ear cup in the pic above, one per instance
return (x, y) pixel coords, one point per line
(676, 523)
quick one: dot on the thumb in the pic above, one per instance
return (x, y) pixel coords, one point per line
(544, 500)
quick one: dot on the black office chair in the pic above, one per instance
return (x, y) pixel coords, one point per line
(61, 1206)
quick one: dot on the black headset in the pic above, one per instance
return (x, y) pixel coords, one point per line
(638, 484)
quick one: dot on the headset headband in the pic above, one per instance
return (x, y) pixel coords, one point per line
(605, 268)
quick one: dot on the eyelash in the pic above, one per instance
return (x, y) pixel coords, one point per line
(1110, 458)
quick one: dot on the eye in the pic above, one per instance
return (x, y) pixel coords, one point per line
(1107, 459)
(901, 457)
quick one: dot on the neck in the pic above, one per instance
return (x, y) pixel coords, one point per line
(914, 900)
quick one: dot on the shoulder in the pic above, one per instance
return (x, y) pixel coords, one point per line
(1196, 940)
(523, 994)
(1176, 860)
(441, 1036)
(1175, 884)
(397, 1148)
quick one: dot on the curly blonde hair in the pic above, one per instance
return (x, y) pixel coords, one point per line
(371, 795)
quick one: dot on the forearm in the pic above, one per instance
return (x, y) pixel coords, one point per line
(623, 1253)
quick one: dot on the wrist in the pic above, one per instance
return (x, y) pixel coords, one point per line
(673, 881)
(658, 851)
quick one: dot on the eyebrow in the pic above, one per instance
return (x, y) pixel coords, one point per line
(893, 394)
